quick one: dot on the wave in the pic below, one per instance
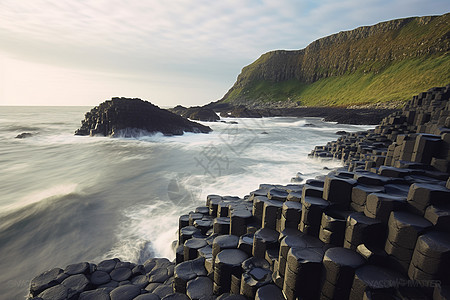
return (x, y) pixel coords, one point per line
(37, 196)
(19, 128)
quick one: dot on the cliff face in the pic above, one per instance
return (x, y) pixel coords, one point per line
(368, 49)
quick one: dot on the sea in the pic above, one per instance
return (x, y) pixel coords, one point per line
(66, 199)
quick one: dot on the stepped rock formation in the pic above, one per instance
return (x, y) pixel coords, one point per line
(377, 228)
(131, 117)
(366, 51)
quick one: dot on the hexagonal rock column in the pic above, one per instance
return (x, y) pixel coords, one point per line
(339, 269)
(271, 213)
(224, 242)
(303, 272)
(423, 194)
(239, 220)
(332, 227)
(187, 271)
(403, 231)
(288, 242)
(291, 214)
(312, 209)
(191, 248)
(379, 205)
(338, 190)
(431, 258)
(264, 239)
(256, 273)
(371, 278)
(228, 262)
(269, 292)
(360, 193)
(362, 230)
(258, 208)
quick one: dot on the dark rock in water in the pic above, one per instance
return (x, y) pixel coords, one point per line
(196, 113)
(24, 135)
(241, 112)
(264, 132)
(80, 268)
(130, 117)
(45, 281)
(341, 132)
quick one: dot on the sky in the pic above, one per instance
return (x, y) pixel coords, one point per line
(189, 52)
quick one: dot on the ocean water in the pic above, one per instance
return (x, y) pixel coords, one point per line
(66, 199)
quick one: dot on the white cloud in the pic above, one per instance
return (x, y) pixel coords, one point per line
(181, 38)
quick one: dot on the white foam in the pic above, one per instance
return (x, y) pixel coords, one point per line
(37, 196)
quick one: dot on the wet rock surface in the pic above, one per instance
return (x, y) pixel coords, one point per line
(376, 228)
(134, 117)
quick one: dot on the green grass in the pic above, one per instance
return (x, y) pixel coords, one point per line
(398, 82)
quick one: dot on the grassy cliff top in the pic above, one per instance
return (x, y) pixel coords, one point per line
(389, 61)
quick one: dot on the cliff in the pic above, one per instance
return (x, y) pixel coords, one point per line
(389, 61)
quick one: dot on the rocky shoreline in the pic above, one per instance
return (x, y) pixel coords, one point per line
(377, 228)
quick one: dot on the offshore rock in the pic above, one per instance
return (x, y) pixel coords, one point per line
(132, 117)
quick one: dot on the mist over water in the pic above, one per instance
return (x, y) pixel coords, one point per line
(66, 199)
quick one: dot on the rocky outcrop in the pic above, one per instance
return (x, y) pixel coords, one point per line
(196, 113)
(129, 117)
(379, 227)
(367, 49)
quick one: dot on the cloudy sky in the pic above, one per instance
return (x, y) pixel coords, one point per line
(82, 52)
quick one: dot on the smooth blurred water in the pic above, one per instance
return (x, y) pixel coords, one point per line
(66, 198)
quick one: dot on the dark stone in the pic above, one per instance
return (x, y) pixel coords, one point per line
(404, 228)
(175, 296)
(163, 291)
(269, 292)
(147, 297)
(141, 281)
(24, 135)
(107, 265)
(191, 248)
(199, 288)
(98, 294)
(122, 116)
(380, 206)
(264, 239)
(76, 284)
(256, 274)
(439, 216)
(277, 194)
(159, 275)
(338, 189)
(363, 230)
(221, 225)
(125, 292)
(186, 271)
(57, 292)
(224, 242)
(196, 113)
(120, 274)
(100, 277)
(340, 265)
(374, 278)
(44, 281)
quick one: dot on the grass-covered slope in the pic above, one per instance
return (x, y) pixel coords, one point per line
(390, 61)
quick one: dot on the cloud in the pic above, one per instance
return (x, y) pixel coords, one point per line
(192, 38)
